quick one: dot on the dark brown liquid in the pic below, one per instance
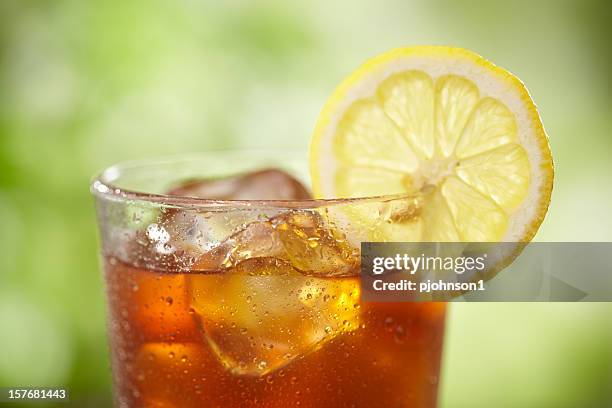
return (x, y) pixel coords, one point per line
(232, 339)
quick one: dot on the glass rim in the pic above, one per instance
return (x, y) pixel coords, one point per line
(103, 185)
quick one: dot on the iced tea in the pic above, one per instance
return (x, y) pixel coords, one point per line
(259, 306)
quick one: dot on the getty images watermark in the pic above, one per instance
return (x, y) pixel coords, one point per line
(423, 264)
(392, 272)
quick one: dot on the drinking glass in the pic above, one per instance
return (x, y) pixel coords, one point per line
(253, 302)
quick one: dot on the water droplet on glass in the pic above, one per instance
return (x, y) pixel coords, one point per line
(389, 323)
(400, 334)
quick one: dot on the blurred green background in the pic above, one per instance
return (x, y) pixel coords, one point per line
(85, 84)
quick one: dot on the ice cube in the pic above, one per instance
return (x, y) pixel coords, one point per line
(258, 239)
(313, 246)
(267, 184)
(298, 237)
(193, 233)
(183, 235)
(263, 313)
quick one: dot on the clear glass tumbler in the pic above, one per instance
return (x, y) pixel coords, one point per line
(253, 303)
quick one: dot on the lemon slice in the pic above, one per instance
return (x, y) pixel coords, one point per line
(446, 125)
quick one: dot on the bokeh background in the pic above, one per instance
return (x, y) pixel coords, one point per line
(85, 84)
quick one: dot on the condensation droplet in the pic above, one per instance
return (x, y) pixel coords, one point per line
(400, 333)
(389, 323)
